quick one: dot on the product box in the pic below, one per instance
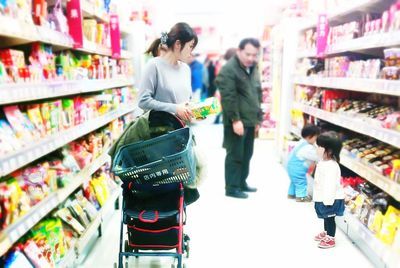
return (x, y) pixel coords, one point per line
(205, 108)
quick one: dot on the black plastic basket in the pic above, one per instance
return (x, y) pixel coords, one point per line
(165, 159)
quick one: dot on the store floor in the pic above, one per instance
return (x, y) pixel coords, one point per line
(265, 230)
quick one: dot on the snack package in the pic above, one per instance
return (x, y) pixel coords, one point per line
(8, 141)
(77, 212)
(390, 224)
(21, 126)
(66, 216)
(88, 207)
(35, 256)
(17, 259)
(205, 108)
(35, 117)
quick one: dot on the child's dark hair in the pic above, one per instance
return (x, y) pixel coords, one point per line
(309, 131)
(180, 31)
(332, 144)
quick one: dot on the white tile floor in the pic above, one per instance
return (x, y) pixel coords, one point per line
(266, 230)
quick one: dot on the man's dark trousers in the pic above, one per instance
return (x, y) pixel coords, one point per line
(239, 150)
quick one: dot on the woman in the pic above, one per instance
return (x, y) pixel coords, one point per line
(165, 84)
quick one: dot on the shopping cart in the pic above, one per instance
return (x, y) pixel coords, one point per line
(154, 173)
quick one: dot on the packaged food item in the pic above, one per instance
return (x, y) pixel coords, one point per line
(390, 223)
(35, 117)
(35, 256)
(23, 128)
(390, 73)
(8, 140)
(205, 108)
(17, 259)
(77, 212)
(67, 217)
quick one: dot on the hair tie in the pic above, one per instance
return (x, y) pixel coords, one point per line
(164, 38)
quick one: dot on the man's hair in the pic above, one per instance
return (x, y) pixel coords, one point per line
(253, 41)
(309, 131)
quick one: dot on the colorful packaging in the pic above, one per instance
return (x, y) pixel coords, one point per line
(35, 256)
(204, 108)
(8, 140)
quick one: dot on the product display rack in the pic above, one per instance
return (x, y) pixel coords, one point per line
(20, 92)
(15, 32)
(15, 231)
(15, 160)
(379, 253)
(379, 86)
(388, 136)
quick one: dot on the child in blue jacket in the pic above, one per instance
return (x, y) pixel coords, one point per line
(300, 159)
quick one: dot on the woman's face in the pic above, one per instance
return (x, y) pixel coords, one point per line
(186, 52)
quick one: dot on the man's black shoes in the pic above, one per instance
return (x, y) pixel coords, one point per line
(236, 193)
(249, 189)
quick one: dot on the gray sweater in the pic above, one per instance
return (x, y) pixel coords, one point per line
(164, 85)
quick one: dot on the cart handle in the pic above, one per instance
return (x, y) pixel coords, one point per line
(149, 221)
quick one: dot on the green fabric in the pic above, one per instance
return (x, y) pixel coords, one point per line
(240, 93)
(137, 130)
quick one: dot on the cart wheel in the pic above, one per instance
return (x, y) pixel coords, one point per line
(184, 265)
(115, 265)
(126, 264)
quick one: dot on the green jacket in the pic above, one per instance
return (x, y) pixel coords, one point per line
(240, 93)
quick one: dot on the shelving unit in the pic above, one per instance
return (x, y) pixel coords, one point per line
(20, 92)
(371, 175)
(15, 32)
(13, 161)
(15, 231)
(380, 254)
(342, 12)
(355, 124)
(379, 86)
(96, 224)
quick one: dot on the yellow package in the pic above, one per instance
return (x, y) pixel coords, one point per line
(204, 108)
(376, 222)
(396, 241)
(390, 223)
(100, 188)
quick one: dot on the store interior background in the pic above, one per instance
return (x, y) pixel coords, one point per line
(286, 30)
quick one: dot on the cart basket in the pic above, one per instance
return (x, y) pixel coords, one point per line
(165, 159)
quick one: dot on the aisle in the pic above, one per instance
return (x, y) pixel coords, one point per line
(228, 232)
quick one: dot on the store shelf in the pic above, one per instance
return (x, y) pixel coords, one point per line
(125, 54)
(69, 259)
(266, 85)
(22, 32)
(90, 11)
(15, 231)
(13, 161)
(379, 253)
(353, 123)
(344, 11)
(371, 175)
(379, 86)
(20, 92)
(365, 43)
(307, 53)
(96, 223)
(296, 131)
(12, 233)
(17, 32)
(77, 181)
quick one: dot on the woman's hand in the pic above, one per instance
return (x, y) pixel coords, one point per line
(184, 112)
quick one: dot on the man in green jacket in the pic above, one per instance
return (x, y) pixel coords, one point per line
(240, 87)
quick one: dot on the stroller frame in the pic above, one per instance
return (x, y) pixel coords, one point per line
(126, 250)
